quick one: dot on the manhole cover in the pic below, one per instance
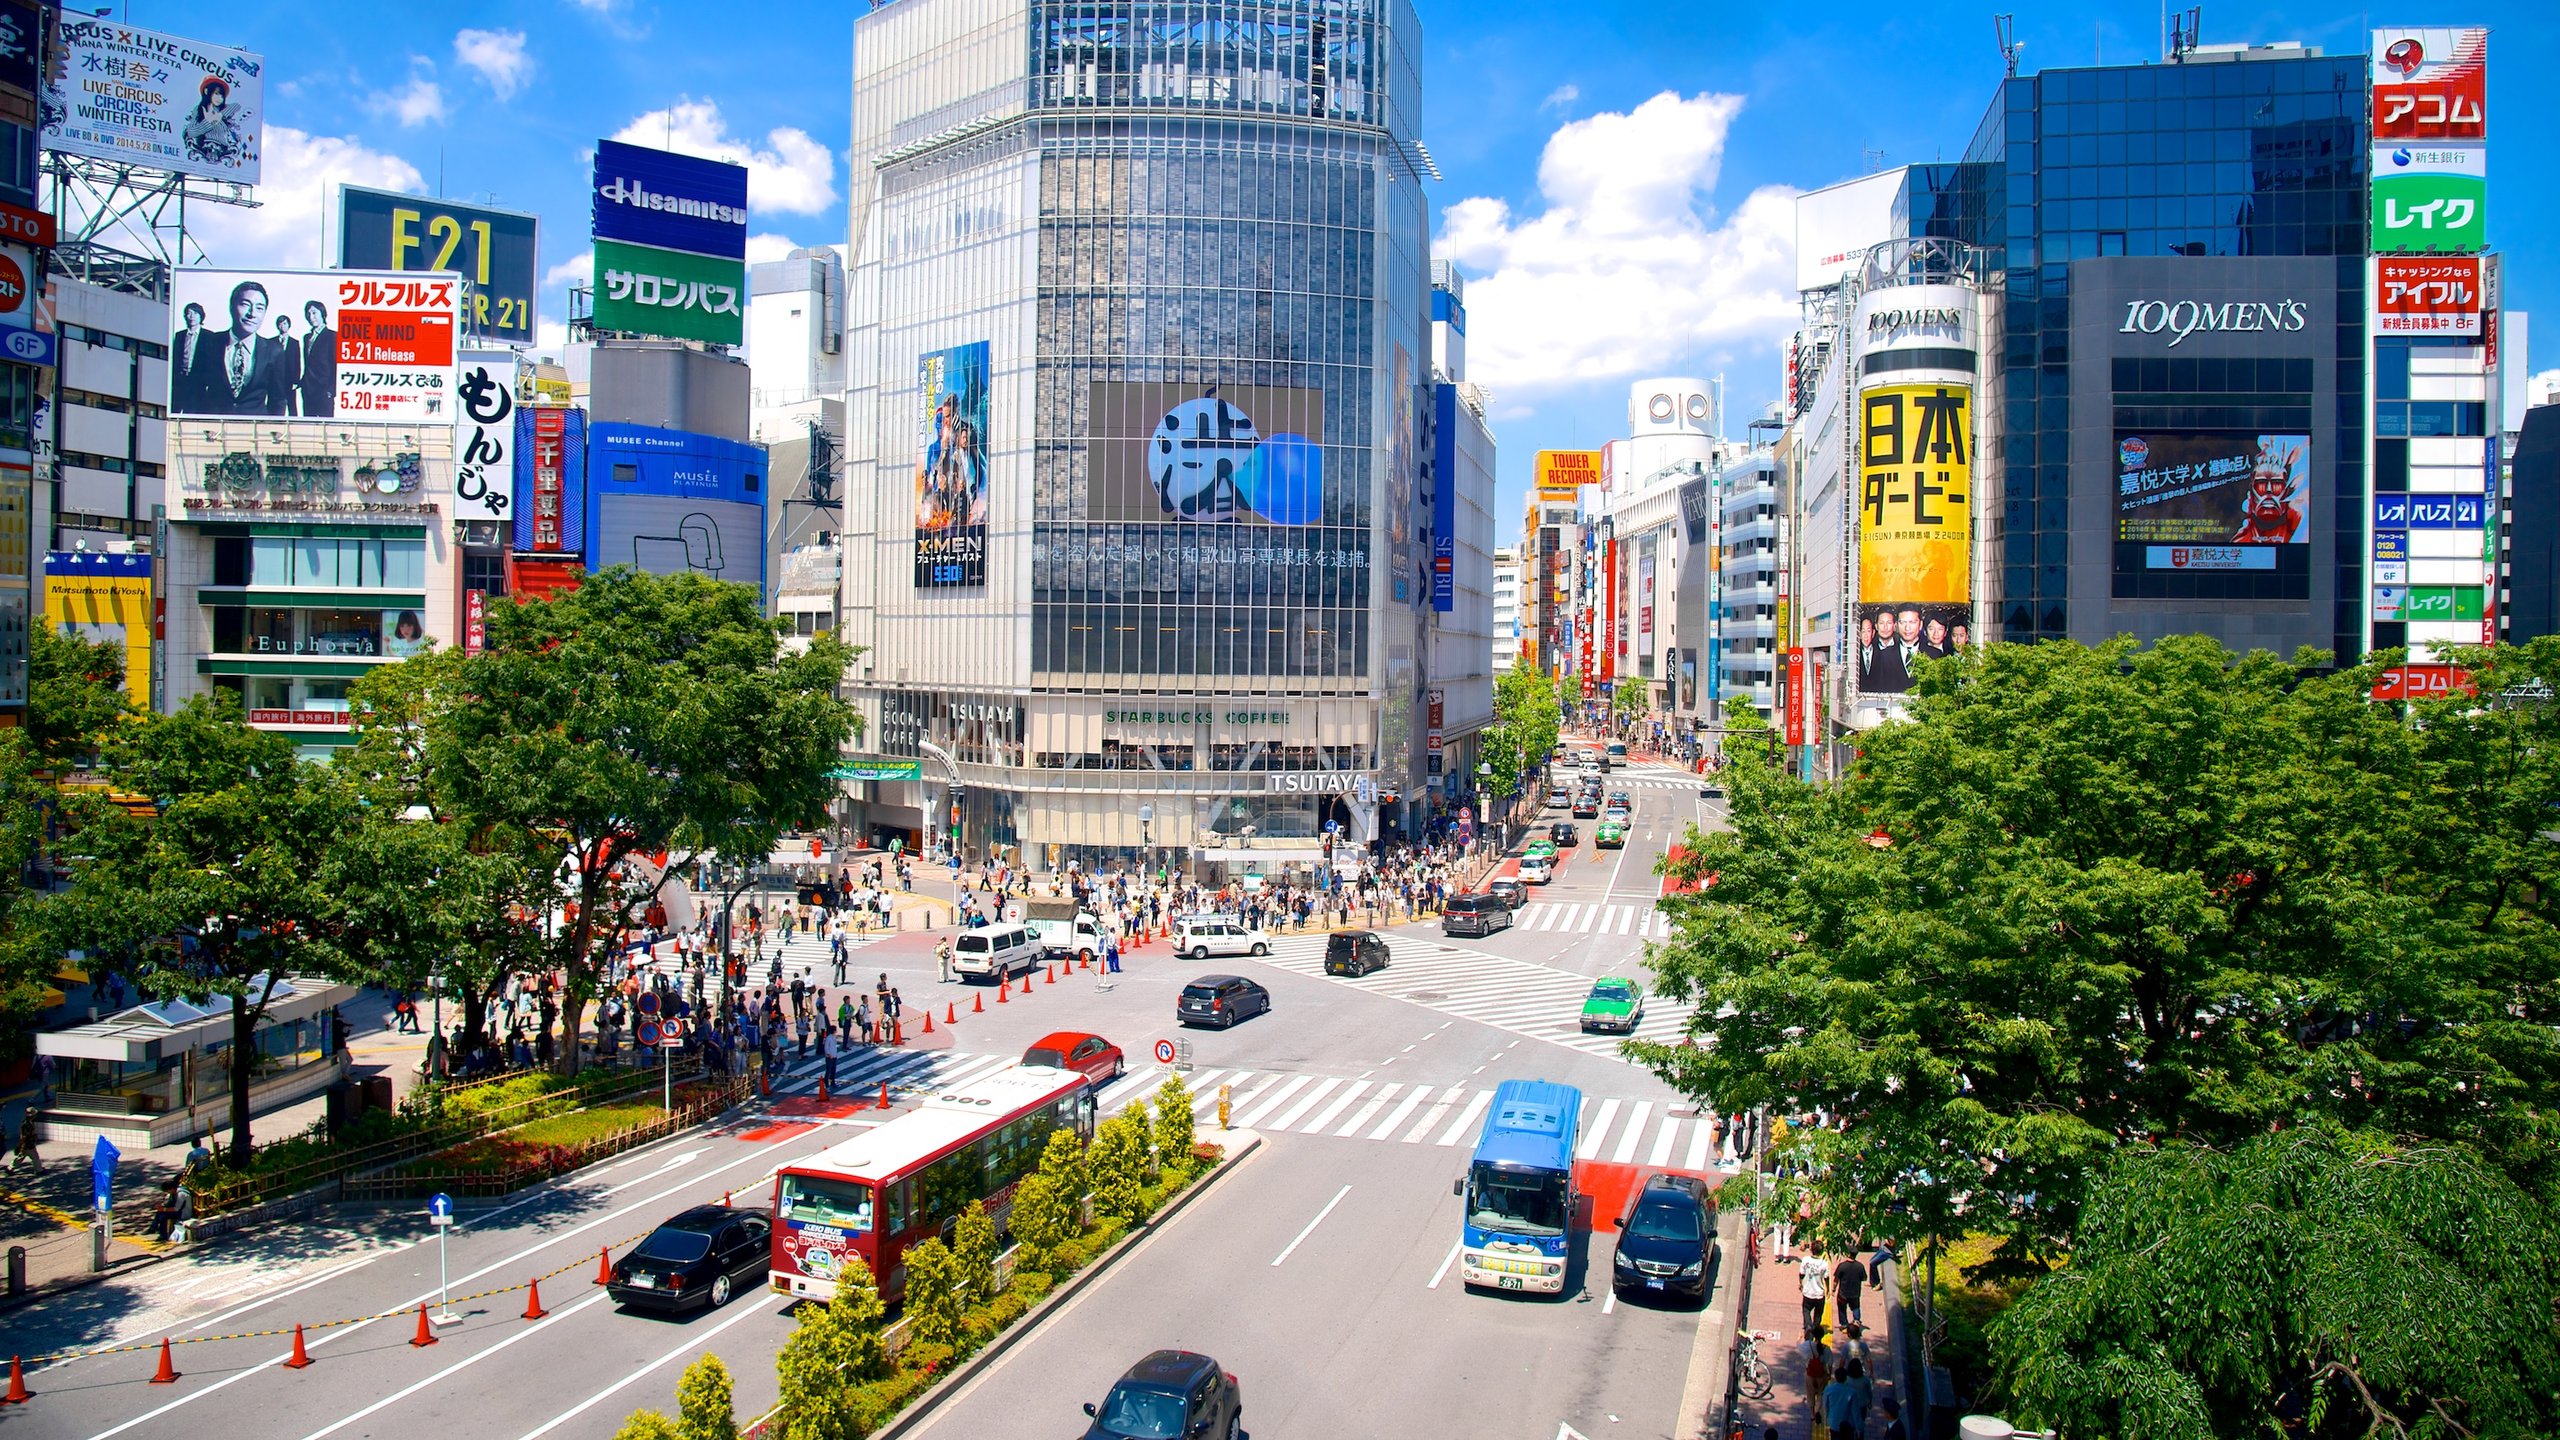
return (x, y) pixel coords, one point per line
(1425, 996)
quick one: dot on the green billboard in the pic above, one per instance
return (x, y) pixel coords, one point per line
(2430, 199)
(642, 290)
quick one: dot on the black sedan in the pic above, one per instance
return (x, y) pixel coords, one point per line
(1170, 1395)
(700, 1257)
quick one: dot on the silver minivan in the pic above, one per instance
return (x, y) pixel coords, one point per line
(995, 952)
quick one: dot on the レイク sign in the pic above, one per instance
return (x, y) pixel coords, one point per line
(2182, 318)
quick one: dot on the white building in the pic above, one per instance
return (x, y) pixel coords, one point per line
(1506, 609)
(108, 431)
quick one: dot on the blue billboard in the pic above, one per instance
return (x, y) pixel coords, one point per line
(551, 480)
(667, 501)
(675, 202)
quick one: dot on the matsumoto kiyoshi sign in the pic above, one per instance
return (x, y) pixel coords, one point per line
(2179, 319)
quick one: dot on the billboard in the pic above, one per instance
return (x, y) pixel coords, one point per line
(1915, 529)
(951, 467)
(137, 96)
(671, 501)
(2430, 84)
(551, 480)
(1836, 225)
(681, 296)
(484, 430)
(1204, 454)
(104, 599)
(2427, 295)
(1559, 474)
(2214, 500)
(2431, 198)
(496, 252)
(361, 346)
(670, 201)
(1444, 496)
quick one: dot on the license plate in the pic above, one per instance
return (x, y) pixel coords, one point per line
(1510, 1282)
(1653, 1284)
(644, 1282)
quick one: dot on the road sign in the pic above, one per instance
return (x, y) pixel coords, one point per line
(647, 1032)
(648, 1002)
(671, 1034)
(1164, 1052)
(440, 1209)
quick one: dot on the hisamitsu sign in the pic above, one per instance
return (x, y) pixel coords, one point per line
(674, 202)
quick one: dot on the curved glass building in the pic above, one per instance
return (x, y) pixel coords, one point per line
(1140, 425)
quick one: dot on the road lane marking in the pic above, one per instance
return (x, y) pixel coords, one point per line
(1249, 1118)
(1396, 1118)
(1466, 1117)
(1610, 1305)
(1701, 1140)
(687, 1348)
(1340, 1103)
(1293, 1245)
(458, 1366)
(1634, 1133)
(674, 1162)
(1434, 1115)
(1662, 1142)
(1598, 1131)
(1289, 1118)
(1361, 1116)
(1445, 1262)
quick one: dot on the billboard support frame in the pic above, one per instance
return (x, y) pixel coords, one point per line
(112, 199)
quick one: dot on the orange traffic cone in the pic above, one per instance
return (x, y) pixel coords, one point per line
(1004, 991)
(884, 1094)
(168, 1373)
(425, 1336)
(17, 1384)
(978, 1003)
(764, 1082)
(928, 1022)
(1026, 984)
(898, 1032)
(822, 1087)
(1053, 974)
(604, 1267)
(951, 1014)
(533, 1299)
(301, 1358)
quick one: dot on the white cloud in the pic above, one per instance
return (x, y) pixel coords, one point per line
(578, 269)
(550, 337)
(2542, 389)
(497, 56)
(1628, 268)
(1560, 97)
(792, 175)
(419, 102)
(770, 247)
(285, 231)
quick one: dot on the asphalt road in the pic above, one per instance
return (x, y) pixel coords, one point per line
(1369, 1093)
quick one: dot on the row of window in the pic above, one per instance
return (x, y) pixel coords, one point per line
(109, 340)
(264, 630)
(1240, 759)
(1198, 640)
(941, 1190)
(113, 464)
(324, 561)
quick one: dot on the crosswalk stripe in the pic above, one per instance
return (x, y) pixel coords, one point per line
(1598, 1131)
(1634, 1133)
(1404, 1108)
(1361, 1116)
(1662, 1141)
(1701, 1140)
(1340, 1103)
(1466, 1117)
(1207, 1104)
(1432, 1116)
(1250, 1118)
(1626, 919)
(1290, 1117)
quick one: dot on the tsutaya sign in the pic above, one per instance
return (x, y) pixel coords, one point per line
(2181, 318)
(1321, 782)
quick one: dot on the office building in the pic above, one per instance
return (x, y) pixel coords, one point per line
(1506, 609)
(102, 438)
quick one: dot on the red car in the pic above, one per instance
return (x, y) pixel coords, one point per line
(1099, 1059)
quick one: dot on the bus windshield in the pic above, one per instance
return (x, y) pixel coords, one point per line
(1516, 1201)
(843, 1204)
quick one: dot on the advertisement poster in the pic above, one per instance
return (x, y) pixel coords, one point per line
(144, 98)
(360, 346)
(1915, 530)
(104, 599)
(1205, 454)
(2430, 84)
(551, 479)
(668, 293)
(496, 252)
(484, 428)
(2430, 199)
(1560, 474)
(2213, 500)
(2428, 295)
(669, 502)
(670, 201)
(951, 467)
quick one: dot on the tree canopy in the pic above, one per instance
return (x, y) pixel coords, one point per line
(1526, 721)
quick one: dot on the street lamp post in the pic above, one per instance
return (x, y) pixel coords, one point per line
(1146, 836)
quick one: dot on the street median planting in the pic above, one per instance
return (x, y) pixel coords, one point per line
(509, 1160)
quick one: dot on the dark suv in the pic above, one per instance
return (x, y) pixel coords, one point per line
(1171, 1392)
(1355, 953)
(1666, 1240)
(1220, 1000)
(1474, 915)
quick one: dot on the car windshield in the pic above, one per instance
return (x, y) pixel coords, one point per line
(1611, 992)
(1660, 1221)
(809, 1200)
(1516, 1202)
(670, 1246)
(1151, 1414)
(1054, 1059)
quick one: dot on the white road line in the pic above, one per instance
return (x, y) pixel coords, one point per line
(1662, 1142)
(1207, 1104)
(1597, 1131)
(1701, 1140)
(1340, 1103)
(1250, 1118)
(1610, 1305)
(1143, 1083)
(688, 1347)
(1466, 1117)
(1289, 1118)
(1433, 1116)
(1626, 919)
(458, 1366)
(1445, 1262)
(1294, 1244)
(1634, 1133)
(1361, 1116)
(1396, 1118)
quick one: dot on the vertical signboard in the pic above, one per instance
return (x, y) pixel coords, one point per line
(1795, 697)
(484, 427)
(1444, 495)
(551, 462)
(1915, 529)
(951, 467)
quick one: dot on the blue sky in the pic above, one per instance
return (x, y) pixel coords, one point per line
(1618, 175)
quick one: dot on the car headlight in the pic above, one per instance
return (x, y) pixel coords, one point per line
(1691, 1269)
(1624, 1263)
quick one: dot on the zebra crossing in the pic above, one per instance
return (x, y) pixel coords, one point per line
(1620, 1130)
(1520, 996)
(1638, 920)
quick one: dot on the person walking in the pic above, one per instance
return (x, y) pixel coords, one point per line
(800, 1025)
(1816, 1289)
(942, 961)
(1817, 1377)
(842, 955)
(827, 1055)
(1111, 955)
(1848, 1286)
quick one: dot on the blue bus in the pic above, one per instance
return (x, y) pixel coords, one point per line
(1519, 1189)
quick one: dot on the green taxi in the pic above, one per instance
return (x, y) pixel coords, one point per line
(1540, 846)
(1612, 834)
(1615, 1006)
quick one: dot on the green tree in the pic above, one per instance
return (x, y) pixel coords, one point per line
(937, 1295)
(973, 1254)
(1117, 1164)
(2096, 894)
(1526, 721)
(2314, 1283)
(648, 1425)
(628, 717)
(706, 1406)
(1173, 1122)
(222, 894)
(75, 695)
(831, 1349)
(1047, 1205)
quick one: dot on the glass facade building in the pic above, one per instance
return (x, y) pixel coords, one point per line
(1189, 245)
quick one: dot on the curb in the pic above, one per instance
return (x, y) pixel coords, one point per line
(1711, 1354)
(967, 1370)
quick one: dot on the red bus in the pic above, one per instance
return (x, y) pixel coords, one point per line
(907, 1180)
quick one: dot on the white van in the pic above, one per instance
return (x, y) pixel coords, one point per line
(1201, 936)
(995, 952)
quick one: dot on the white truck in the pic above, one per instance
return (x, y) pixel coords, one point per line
(1062, 928)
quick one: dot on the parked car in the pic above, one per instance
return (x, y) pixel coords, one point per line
(1169, 1394)
(698, 1258)
(1354, 953)
(1480, 914)
(1201, 936)
(1666, 1239)
(1099, 1059)
(1221, 1000)
(1537, 869)
(1615, 1005)
(1509, 891)
(1562, 833)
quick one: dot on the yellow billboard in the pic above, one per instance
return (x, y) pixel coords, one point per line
(104, 598)
(1915, 529)
(1560, 473)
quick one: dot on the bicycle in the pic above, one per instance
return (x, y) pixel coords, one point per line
(1751, 1372)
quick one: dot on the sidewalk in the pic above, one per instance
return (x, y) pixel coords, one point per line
(1777, 1303)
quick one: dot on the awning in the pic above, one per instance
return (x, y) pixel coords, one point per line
(146, 1034)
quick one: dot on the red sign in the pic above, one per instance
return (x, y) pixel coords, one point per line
(2428, 295)
(1795, 697)
(22, 226)
(475, 621)
(2431, 85)
(395, 337)
(1609, 637)
(550, 425)
(2422, 682)
(306, 719)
